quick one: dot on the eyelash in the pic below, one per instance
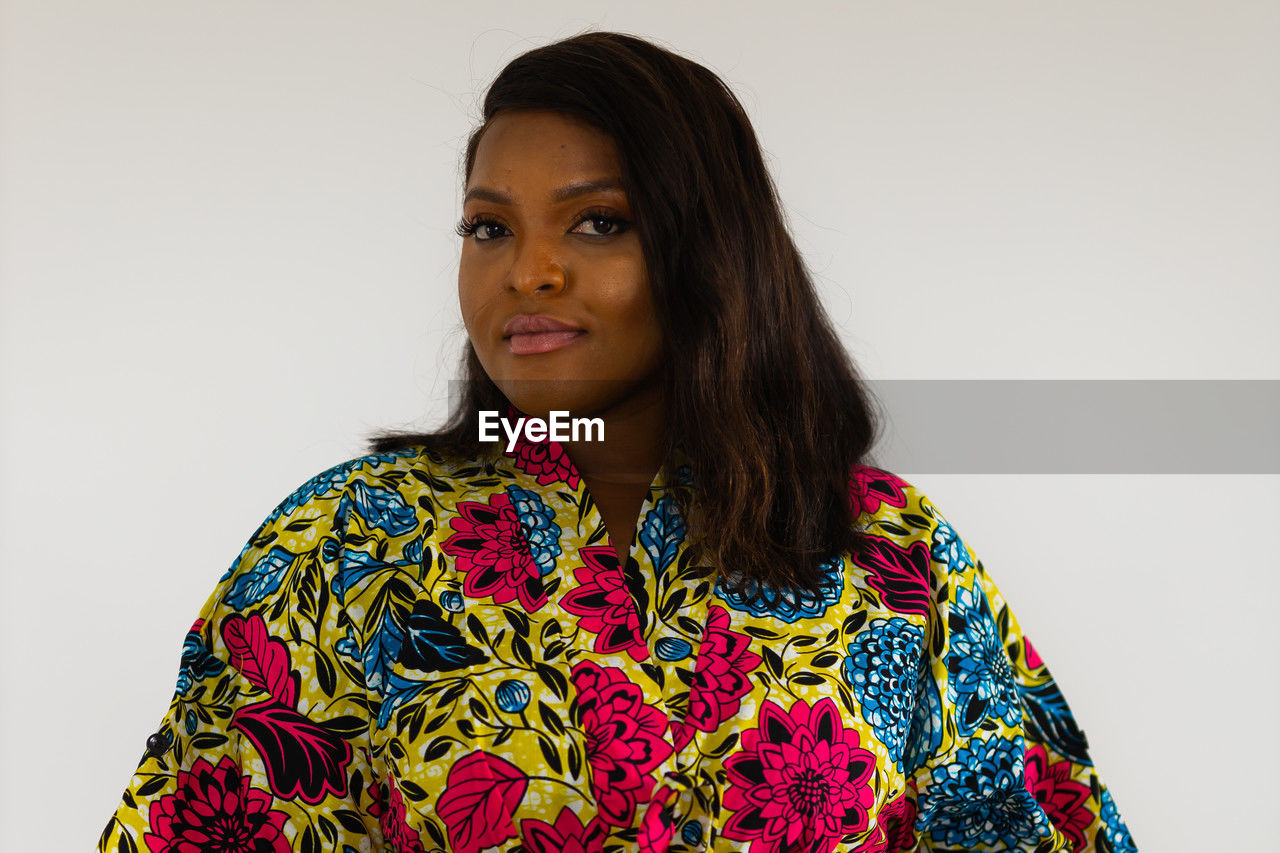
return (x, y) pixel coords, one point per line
(468, 226)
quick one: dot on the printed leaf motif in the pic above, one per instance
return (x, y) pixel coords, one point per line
(303, 758)
(432, 644)
(481, 794)
(662, 532)
(383, 508)
(261, 580)
(261, 658)
(381, 650)
(1049, 719)
(900, 575)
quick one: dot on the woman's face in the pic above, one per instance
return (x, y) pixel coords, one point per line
(542, 242)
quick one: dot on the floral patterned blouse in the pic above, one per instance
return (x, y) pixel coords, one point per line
(414, 654)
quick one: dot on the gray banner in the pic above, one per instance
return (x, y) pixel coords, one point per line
(1039, 426)
(1063, 426)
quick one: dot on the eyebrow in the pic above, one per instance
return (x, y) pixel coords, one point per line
(563, 193)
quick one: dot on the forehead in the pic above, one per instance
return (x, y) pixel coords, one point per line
(536, 145)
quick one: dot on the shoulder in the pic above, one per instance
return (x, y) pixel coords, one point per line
(320, 507)
(358, 503)
(882, 498)
(892, 510)
(386, 502)
(353, 482)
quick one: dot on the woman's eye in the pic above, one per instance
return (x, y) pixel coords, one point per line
(604, 226)
(482, 231)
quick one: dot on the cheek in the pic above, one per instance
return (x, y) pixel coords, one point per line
(474, 303)
(641, 331)
(639, 314)
(625, 289)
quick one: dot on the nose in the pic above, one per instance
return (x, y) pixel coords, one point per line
(536, 267)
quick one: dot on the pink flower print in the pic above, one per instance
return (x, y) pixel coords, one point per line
(605, 605)
(1062, 798)
(389, 808)
(870, 487)
(657, 826)
(490, 547)
(546, 460)
(568, 835)
(624, 739)
(215, 808)
(800, 781)
(721, 679)
(895, 826)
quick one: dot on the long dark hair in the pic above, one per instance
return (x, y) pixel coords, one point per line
(762, 396)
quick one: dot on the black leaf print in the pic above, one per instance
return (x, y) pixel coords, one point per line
(432, 644)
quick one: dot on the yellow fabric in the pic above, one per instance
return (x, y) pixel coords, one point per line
(415, 654)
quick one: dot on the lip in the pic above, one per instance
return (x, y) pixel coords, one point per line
(532, 343)
(522, 324)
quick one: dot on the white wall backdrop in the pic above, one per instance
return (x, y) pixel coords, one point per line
(226, 253)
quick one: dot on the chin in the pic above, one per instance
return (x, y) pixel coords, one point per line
(538, 397)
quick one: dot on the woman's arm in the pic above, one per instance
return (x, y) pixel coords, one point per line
(266, 739)
(995, 754)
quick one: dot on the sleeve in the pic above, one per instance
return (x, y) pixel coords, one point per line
(265, 745)
(995, 757)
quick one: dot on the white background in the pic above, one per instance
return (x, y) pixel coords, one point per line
(226, 252)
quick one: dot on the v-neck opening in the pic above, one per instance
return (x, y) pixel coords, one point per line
(662, 652)
(658, 486)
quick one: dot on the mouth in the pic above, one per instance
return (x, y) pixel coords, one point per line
(532, 343)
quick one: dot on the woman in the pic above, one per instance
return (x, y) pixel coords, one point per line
(714, 628)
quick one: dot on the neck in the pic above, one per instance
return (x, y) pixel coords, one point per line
(631, 452)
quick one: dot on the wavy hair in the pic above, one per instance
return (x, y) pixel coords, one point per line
(764, 400)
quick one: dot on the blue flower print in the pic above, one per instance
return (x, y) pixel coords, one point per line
(981, 683)
(326, 482)
(784, 604)
(1113, 827)
(948, 548)
(321, 484)
(924, 735)
(883, 669)
(662, 532)
(980, 798)
(537, 520)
